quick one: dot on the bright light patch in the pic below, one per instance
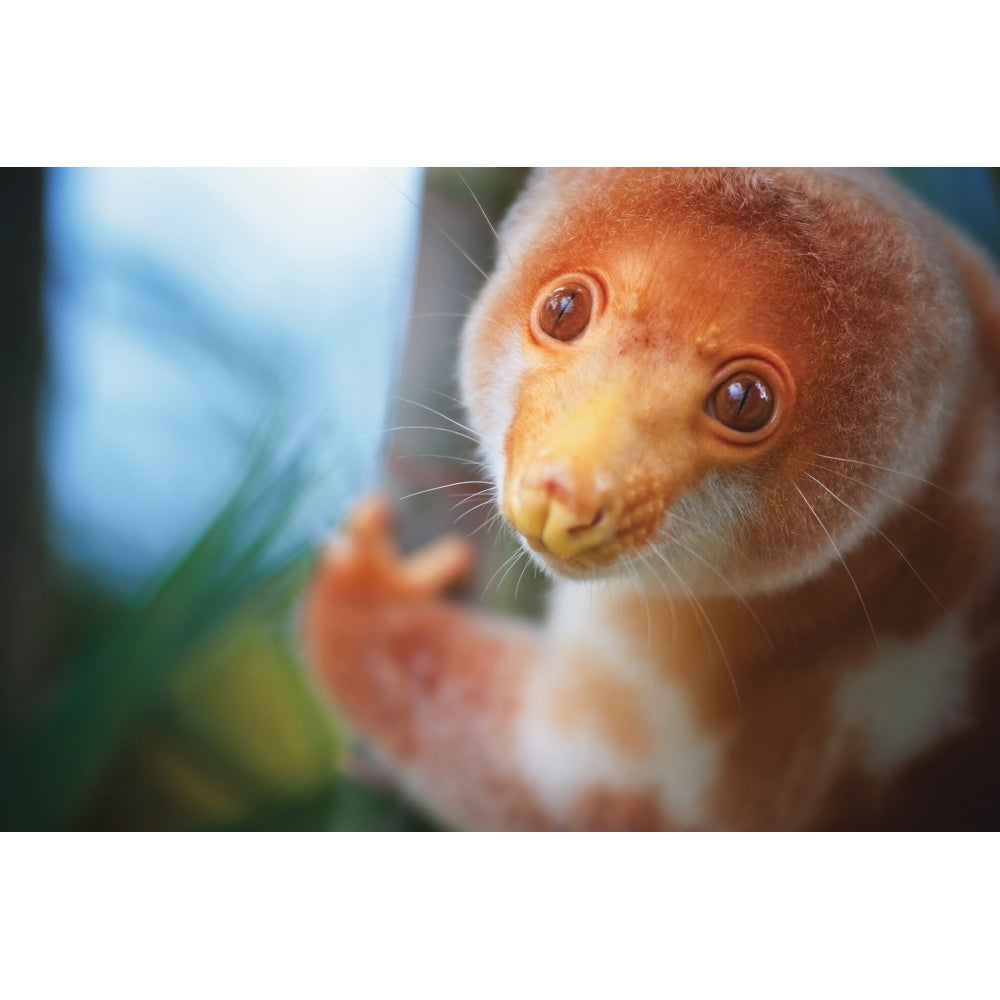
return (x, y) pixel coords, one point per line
(186, 307)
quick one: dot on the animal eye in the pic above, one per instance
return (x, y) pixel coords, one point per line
(743, 402)
(565, 313)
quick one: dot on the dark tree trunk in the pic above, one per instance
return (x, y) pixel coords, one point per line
(457, 244)
(22, 550)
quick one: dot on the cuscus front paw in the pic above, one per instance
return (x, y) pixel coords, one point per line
(370, 615)
(362, 562)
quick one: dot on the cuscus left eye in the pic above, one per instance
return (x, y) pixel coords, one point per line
(744, 403)
(565, 313)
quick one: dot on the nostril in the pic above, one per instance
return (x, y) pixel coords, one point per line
(586, 526)
(561, 508)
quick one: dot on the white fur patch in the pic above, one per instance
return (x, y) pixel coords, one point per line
(563, 764)
(494, 411)
(908, 698)
(687, 759)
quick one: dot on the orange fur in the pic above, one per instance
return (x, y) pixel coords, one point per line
(787, 624)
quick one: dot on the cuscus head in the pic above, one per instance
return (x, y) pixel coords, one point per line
(661, 355)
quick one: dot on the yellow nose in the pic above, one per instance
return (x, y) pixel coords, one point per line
(553, 525)
(564, 492)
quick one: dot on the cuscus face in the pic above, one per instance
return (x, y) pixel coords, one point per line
(664, 362)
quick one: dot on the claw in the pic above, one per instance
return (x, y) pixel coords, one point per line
(366, 542)
(438, 565)
(370, 519)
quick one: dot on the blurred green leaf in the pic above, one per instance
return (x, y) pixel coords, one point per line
(175, 652)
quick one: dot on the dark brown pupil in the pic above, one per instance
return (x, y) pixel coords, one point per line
(566, 312)
(743, 403)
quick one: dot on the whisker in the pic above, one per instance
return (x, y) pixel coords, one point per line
(746, 604)
(637, 583)
(472, 496)
(900, 552)
(472, 510)
(883, 468)
(444, 486)
(843, 562)
(708, 621)
(507, 565)
(420, 427)
(889, 496)
(644, 558)
(494, 523)
(488, 493)
(439, 228)
(449, 458)
(451, 399)
(482, 210)
(454, 291)
(528, 564)
(439, 315)
(437, 413)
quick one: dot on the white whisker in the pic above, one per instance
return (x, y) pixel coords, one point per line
(443, 486)
(472, 510)
(449, 398)
(494, 523)
(439, 228)
(496, 235)
(422, 427)
(879, 531)
(528, 564)
(843, 562)
(633, 574)
(875, 489)
(746, 604)
(708, 621)
(488, 491)
(437, 413)
(644, 558)
(884, 468)
(449, 458)
(454, 291)
(507, 565)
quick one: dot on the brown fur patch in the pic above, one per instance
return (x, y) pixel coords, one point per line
(604, 808)
(595, 700)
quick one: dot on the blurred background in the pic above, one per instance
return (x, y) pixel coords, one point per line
(201, 371)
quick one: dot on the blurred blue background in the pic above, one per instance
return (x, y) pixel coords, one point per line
(186, 308)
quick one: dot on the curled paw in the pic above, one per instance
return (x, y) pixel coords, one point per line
(371, 614)
(363, 560)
